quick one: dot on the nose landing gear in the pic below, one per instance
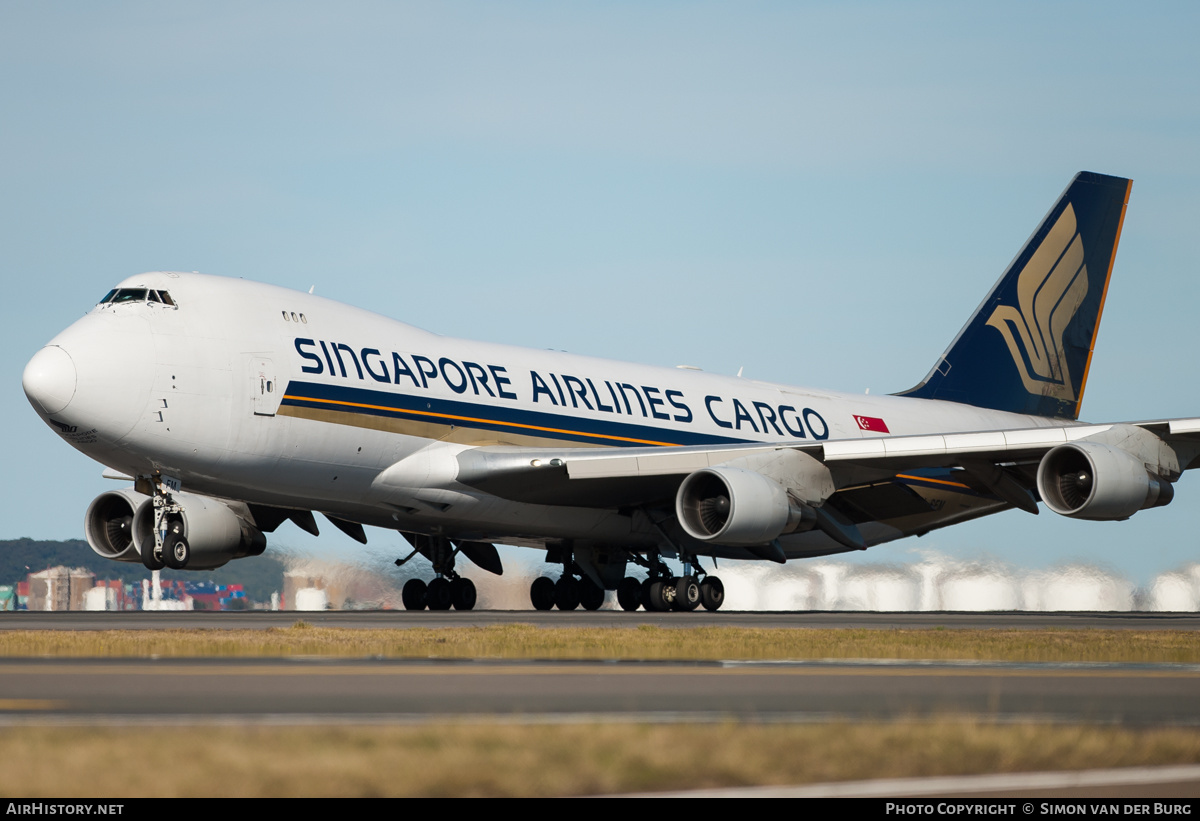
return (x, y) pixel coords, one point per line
(169, 547)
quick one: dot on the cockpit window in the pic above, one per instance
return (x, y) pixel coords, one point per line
(129, 295)
(137, 295)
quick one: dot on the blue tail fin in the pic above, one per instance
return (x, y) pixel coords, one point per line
(1028, 346)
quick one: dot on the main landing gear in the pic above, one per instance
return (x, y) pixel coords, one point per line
(574, 589)
(568, 593)
(448, 590)
(660, 592)
(440, 594)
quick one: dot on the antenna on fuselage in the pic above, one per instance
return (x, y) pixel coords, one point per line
(311, 288)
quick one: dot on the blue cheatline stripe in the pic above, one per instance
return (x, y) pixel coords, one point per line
(435, 410)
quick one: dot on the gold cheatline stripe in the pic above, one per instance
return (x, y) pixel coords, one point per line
(484, 421)
(936, 481)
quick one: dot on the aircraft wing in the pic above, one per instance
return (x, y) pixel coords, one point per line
(615, 477)
(596, 477)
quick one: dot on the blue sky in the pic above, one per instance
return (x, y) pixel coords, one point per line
(819, 193)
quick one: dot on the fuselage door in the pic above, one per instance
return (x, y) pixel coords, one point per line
(265, 392)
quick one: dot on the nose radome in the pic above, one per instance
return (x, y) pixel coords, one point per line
(49, 379)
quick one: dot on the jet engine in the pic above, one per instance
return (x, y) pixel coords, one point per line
(733, 506)
(108, 524)
(119, 523)
(1089, 480)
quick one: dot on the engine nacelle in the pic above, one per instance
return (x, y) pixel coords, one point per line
(1088, 480)
(215, 533)
(732, 506)
(108, 524)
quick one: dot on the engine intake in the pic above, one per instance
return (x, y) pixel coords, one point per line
(732, 506)
(1089, 480)
(108, 524)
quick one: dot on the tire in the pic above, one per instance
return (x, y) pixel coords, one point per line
(462, 594)
(566, 593)
(151, 561)
(687, 594)
(629, 594)
(591, 595)
(712, 593)
(652, 596)
(413, 594)
(176, 552)
(437, 595)
(541, 593)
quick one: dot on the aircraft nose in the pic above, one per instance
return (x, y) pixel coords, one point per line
(49, 379)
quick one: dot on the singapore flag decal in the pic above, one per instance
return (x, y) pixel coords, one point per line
(872, 423)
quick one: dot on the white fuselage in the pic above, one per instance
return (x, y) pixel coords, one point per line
(271, 396)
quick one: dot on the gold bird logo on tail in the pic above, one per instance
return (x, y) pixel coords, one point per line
(1050, 290)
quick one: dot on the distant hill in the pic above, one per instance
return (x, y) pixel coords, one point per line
(260, 576)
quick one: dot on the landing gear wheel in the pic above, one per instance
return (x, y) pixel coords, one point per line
(175, 549)
(591, 595)
(668, 592)
(541, 593)
(687, 593)
(462, 594)
(654, 595)
(176, 552)
(413, 594)
(629, 593)
(566, 593)
(712, 593)
(437, 595)
(151, 561)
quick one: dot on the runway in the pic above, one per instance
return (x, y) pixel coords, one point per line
(393, 619)
(303, 691)
(306, 691)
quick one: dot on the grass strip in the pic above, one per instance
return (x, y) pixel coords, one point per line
(545, 760)
(523, 641)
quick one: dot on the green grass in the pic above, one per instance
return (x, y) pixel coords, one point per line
(577, 759)
(645, 642)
